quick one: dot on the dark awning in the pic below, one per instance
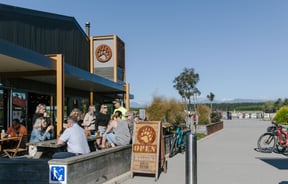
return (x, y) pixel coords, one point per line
(16, 61)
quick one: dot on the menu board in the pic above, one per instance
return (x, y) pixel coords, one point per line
(146, 147)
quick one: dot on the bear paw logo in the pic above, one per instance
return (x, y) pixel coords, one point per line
(146, 135)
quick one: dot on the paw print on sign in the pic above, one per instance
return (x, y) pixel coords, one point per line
(103, 53)
(146, 135)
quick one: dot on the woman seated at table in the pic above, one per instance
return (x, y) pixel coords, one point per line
(41, 131)
(117, 132)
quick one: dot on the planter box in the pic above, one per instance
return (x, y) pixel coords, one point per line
(210, 128)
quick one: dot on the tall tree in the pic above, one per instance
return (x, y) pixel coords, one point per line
(185, 83)
(278, 104)
(211, 97)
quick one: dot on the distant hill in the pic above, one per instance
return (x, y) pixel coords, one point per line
(134, 104)
(237, 100)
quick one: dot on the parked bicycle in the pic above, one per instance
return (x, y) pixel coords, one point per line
(178, 142)
(275, 139)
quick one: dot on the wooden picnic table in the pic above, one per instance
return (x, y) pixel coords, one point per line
(49, 147)
(7, 139)
(14, 147)
(45, 149)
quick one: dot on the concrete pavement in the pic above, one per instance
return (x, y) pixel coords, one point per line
(226, 157)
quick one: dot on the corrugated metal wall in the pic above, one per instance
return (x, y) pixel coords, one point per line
(45, 33)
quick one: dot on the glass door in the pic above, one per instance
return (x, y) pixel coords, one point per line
(19, 107)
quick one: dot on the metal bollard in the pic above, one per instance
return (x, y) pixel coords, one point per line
(191, 158)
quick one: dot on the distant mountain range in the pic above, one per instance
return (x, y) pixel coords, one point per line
(237, 100)
(134, 104)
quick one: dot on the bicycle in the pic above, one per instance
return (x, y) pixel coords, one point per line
(276, 137)
(178, 143)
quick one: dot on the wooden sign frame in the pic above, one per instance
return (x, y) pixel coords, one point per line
(146, 148)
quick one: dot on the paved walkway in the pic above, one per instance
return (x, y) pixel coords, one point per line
(226, 157)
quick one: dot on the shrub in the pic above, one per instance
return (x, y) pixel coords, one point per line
(281, 115)
(204, 114)
(216, 116)
(165, 110)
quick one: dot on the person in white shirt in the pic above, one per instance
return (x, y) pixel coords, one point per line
(75, 138)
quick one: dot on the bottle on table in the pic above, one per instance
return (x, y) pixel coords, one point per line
(3, 134)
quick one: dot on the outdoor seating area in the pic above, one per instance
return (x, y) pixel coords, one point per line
(111, 163)
(14, 146)
(46, 149)
(96, 167)
(43, 149)
(46, 105)
(12, 152)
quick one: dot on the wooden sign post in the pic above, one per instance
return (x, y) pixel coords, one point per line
(146, 149)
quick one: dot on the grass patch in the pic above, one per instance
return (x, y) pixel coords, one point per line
(200, 135)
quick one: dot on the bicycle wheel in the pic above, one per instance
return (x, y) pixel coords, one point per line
(266, 143)
(173, 148)
(280, 148)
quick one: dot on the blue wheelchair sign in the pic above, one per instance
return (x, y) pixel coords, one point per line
(57, 174)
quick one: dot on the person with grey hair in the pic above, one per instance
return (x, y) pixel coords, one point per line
(75, 138)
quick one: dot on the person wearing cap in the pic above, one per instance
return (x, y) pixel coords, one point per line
(119, 107)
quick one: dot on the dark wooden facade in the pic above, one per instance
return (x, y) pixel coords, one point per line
(42, 34)
(46, 33)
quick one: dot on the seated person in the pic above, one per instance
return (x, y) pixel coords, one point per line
(74, 136)
(117, 132)
(16, 129)
(89, 121)
(102, 121)
(76, 113)
(41, 131)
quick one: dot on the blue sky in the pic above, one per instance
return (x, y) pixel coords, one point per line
(238, 47)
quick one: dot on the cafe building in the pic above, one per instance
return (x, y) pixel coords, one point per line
(48, 58)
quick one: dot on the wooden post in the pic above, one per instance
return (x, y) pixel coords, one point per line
(59, 91)
(91, 68)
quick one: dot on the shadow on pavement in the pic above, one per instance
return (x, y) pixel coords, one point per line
(279, 163)
(283, 182)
